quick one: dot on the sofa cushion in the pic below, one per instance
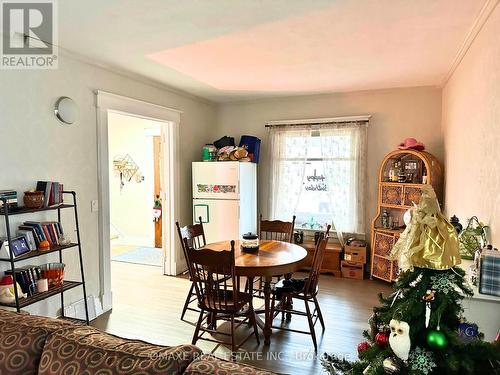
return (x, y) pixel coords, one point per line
(86, 350)
(208, 364)
(22, 338)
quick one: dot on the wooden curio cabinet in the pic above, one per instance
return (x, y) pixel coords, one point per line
(401, 176)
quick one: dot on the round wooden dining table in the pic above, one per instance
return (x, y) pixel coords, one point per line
(274, 258)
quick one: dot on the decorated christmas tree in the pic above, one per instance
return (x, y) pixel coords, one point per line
(419, 329)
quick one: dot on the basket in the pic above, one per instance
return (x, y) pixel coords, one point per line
(33, 199)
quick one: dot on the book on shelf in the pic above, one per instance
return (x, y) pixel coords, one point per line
(25, 228)
(46, 230)
(47, 234)
(53, 192)
(27, 277)
(11, 197)
(38, 228)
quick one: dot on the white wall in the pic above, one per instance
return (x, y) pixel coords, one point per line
(471, 131)
(131, 205)
(35, 146)
(397, 114)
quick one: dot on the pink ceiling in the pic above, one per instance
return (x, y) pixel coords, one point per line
(343, 47)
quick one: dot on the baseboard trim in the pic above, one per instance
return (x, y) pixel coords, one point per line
(76, 310)
(107, 301)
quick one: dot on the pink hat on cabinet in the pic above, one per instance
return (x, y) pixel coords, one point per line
(411, 143)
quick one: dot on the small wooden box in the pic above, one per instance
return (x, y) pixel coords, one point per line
(352, 270)
(355, 254)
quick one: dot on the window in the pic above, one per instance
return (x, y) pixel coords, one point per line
(318, 174)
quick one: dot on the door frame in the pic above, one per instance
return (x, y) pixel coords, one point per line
(109, 102)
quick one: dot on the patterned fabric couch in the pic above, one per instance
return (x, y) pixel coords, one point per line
(38, 345)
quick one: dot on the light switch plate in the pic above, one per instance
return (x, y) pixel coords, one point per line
(94, 205)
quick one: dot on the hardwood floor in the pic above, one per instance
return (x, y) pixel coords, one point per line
(147, 306)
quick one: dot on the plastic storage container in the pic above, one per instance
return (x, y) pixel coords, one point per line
(252, 144)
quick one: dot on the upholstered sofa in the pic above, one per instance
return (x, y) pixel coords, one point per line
(39, 345)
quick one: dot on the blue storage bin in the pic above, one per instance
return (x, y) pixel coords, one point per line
(252, 144)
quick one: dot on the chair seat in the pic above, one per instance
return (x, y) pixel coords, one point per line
(292, 286)
(225, 301)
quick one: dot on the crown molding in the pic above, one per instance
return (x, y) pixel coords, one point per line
(482, 17)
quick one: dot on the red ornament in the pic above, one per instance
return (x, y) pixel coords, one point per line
(382, 339)
(362, 346)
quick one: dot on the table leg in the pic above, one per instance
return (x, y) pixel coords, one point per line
(288, 300)
(268, 315)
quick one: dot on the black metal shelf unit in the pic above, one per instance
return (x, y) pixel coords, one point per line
(67, 285)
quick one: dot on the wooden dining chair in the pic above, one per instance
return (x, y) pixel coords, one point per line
(306, 290)
(219, 295)
(274, 230)
(195, 237)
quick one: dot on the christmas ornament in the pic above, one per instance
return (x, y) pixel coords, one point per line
(390, 366)
(362, 346)
(429, 241)
(428, 298)
(429, 295)
(468, 332)
(399, 339)
(398, 294)
(443, 282)
(427, 314)
(422, 360)
(415, 282)
(382, 339)
(436, 340)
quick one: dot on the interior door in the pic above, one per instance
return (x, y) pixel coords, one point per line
(220, 218)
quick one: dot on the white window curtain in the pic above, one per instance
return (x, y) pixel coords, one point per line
(318, 173)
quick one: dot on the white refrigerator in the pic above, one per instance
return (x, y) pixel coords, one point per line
(225, 197)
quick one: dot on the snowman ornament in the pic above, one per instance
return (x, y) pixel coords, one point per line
(399, 339)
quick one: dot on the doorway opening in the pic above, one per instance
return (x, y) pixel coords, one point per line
(107, 105)
(135, 189)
